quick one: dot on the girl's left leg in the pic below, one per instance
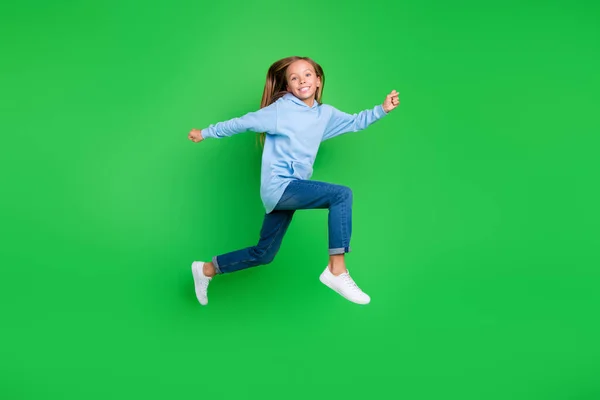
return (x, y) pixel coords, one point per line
(305, 194)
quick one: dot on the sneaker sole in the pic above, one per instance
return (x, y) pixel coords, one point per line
(327, 283)
(196, 276)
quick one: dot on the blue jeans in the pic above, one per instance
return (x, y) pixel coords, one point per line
(299, 195)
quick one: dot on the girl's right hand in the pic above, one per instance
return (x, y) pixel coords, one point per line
(195, 135)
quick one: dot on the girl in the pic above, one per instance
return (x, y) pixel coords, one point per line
(293, 123)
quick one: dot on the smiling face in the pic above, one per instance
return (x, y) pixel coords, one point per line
(302, 81)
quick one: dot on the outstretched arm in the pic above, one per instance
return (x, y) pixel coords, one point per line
(263, 120)
(342, 122)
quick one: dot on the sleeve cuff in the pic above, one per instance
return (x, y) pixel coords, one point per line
(206, 133)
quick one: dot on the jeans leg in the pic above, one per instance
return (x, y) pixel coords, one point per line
(272, 232)
(305, 194)
(340, 222)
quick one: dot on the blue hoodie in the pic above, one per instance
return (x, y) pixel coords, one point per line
(294, 132)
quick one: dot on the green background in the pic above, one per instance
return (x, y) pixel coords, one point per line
(475, 202)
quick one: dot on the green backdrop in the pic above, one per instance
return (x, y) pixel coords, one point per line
(475, 202)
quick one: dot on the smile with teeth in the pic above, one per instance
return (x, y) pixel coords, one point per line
(304, 89)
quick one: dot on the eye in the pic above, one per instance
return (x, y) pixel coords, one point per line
(294, 78)
(308, 74)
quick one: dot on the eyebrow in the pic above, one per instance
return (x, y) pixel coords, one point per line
(308, 69)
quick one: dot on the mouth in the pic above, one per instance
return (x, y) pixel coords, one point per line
(304, 89)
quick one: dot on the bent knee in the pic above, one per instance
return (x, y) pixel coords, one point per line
(346, 193)
(267, 259)
(263, 257)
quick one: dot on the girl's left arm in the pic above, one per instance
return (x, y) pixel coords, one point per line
(341, 122)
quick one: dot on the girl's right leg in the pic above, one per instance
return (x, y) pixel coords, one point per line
(275, 225)
(273, 229)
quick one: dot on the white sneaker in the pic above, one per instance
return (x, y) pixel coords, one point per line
(344, 285)
(201, 282)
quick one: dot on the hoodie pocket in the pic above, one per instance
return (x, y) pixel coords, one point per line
(300, 170)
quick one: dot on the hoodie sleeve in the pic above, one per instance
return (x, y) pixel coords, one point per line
(341, 123)
(263, 120)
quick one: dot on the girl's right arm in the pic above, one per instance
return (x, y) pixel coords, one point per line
(263, 120)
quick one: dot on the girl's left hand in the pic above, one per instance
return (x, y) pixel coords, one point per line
(391, 101)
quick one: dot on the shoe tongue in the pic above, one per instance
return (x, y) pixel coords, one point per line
(342, 274)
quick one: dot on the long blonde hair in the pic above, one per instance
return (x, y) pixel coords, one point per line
(276, 84)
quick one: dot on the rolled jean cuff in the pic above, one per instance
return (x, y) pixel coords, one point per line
(216, 264)
(339, 250)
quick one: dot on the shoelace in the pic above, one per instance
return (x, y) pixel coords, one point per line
(350, 282)
(204, 283)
